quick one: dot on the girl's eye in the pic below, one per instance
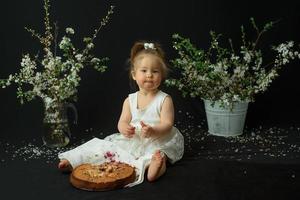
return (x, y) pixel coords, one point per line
(143, 70)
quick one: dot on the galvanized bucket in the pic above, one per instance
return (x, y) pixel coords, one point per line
(225, 121)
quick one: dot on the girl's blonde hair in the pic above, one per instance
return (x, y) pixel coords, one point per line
(141, 48)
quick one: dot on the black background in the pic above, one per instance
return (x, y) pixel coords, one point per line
(100, 96)
(261, 164)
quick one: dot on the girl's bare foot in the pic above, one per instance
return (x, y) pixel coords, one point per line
(157, 166)
(65, 166)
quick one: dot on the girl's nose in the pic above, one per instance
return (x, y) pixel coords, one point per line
(149, 74)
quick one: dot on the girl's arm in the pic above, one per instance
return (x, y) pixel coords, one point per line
(124, 126)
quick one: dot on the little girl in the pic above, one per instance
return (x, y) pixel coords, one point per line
(147, 138)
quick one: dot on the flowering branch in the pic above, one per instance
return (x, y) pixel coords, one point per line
(221, 74)
(58, 77)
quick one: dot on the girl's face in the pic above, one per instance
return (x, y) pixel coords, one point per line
(147, 72)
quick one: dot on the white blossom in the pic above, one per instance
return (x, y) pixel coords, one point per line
(90, 46)
(79, 57)
(247, 57)
(70, 31)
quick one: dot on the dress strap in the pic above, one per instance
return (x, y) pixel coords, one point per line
(133, 101)
(161, 98)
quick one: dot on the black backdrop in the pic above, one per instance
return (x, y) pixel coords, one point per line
(100, 96)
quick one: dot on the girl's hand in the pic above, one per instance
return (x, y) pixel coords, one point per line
(147, 130)
(128, 131)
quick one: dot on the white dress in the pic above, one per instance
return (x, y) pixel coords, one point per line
(136, 151)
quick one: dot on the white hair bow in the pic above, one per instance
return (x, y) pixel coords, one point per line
(149, 46)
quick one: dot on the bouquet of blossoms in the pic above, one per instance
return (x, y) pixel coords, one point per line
(52, 77)
(55, 78)
(227, 76)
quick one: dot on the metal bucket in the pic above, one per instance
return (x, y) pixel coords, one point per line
(225, 121)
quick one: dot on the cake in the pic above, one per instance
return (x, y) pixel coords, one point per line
(106, 176)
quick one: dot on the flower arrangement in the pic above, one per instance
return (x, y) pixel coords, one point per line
(55, 78)
(227, 76)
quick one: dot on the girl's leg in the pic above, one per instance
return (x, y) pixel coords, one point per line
(157, 166)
